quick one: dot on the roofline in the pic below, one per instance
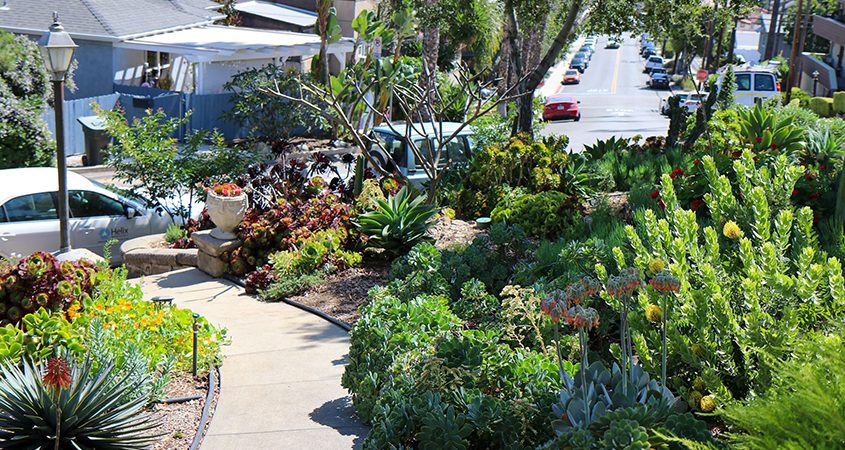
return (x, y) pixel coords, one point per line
(109, 38)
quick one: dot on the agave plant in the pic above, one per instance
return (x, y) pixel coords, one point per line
(761, 128)
(61, 405)
(398, 223)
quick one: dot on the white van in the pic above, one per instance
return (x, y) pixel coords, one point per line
(753, 85)
(653, 62)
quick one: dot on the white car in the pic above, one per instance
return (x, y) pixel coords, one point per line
(29, 214)
(653, 62)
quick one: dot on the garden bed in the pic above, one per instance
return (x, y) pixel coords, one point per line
(180, 421)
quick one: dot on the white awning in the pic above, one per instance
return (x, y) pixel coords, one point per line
(219, 43)
(279, 12)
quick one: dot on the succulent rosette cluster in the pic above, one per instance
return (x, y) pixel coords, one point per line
(227, 190)
(290, 221)
(42, 281)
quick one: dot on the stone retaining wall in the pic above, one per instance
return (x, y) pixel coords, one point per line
(144, 256)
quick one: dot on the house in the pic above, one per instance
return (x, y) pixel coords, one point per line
(295, 15)
(96, 26)
(830, 67)
(170, 43)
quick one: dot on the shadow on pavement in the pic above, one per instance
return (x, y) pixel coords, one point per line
(339, 414)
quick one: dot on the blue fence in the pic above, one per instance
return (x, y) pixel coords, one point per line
(206, 112)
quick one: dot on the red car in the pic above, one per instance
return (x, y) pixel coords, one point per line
(571, 76)
(561, 107)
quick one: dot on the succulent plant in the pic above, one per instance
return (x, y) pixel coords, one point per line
(625, 434)
(398, 223)
(688, 427)
(89, 408)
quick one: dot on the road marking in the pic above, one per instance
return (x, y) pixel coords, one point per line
(615, 73)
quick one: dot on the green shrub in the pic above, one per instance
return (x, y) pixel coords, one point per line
(545, 214)
(802, 408)
(24, 139)
(745, 281)
(173, 233)
(398, 223)
(839, 102)
(823, 106)
(801, 97)
(87, 405)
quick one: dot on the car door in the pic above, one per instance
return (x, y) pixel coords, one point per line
(96, 218)
(29, 223)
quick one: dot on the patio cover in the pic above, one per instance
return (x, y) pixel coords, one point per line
(220, 43)
(279, 12)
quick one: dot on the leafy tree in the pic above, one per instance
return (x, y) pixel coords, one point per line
(270, 117)
(24, 90)
(146, 154)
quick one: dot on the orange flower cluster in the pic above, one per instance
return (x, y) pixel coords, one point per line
(227, 190)
(624, 285)
(558, 303)
(666, 282)
(582, 318)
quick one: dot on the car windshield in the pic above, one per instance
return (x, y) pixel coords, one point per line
(658, 71)
(577, 60)
(572, 72)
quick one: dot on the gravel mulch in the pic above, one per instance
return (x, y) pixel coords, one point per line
(179, 421)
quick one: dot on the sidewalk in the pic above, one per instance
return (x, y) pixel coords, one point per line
(281, 376)
(551, 83)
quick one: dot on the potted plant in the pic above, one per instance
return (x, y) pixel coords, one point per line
(226, 203)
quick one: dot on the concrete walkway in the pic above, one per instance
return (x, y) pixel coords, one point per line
(281, 376)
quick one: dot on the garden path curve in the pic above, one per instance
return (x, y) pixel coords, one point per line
(281, 376)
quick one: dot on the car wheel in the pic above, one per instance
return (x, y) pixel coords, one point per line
(578, 117)
(382, 160)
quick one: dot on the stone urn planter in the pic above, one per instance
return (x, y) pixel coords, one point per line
(226, 212)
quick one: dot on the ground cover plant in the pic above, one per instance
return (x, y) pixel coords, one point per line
(96, 349)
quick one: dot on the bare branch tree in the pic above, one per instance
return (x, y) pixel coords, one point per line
(425, 111)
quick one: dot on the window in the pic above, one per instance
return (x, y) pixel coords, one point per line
(93, 204)
(456, 150)
(743, 82)
(764, 82)
(31, 207)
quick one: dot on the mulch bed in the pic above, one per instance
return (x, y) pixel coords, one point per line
(179, 421)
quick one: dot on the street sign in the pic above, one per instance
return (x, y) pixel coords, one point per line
(701, 75)
(377, 47)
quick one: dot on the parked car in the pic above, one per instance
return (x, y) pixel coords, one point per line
(423, 134)
(753, 84)
(653, 62)
(658, 80)
(561, 106)
(614, 42)
(691, 103)
(585, 56)
(587, 49)
(648, 50)
(579, 64)
(571, 76)
(29, 218)
(682, 97)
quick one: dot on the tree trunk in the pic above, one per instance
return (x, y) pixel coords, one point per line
(504, 71)
(796, 36)
(527, 86)
(770, 39)
(718, 59)
(431, 51)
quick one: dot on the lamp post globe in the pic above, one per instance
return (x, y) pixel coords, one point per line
(57, 50)
(815, 75)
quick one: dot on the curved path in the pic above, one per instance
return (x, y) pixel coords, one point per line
(281, 376)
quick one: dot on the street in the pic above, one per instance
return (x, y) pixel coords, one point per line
(614, 98)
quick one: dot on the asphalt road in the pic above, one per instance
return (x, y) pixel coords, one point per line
(614, 98)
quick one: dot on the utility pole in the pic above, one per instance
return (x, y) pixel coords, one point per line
(796, 38)
(770, 39)
(804, 29)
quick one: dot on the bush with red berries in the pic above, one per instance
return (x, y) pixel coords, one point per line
(40, 280)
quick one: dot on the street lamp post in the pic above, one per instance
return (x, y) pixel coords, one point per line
(815, 82)
(57, 49)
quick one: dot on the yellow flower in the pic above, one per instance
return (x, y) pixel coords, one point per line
(653, 313)
(99, 307)
(731, 230)
(655, 265)
(707, 403)
(73, 311)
